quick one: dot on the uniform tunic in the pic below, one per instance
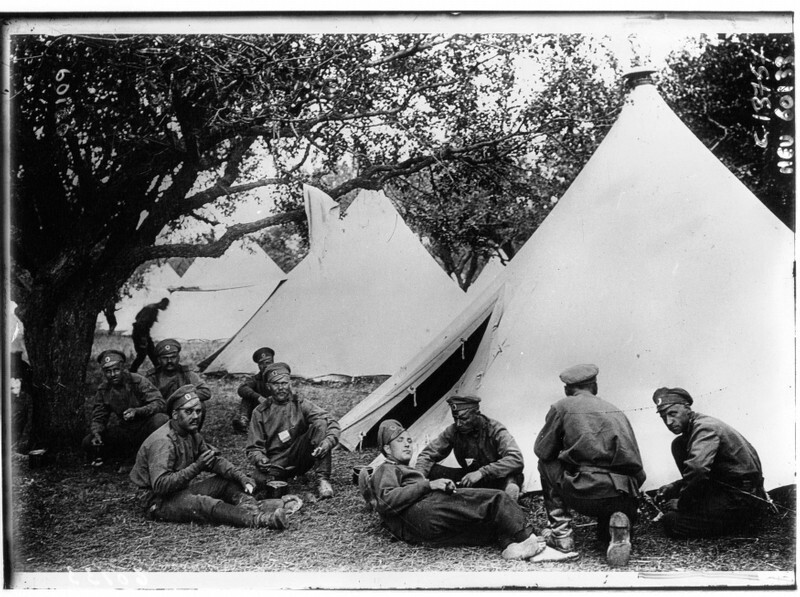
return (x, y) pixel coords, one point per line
(135, 392)
(595, 444)
(490, 449)
(252, 392)
(287, 433)
(413, 512)
(166, 471)
(720, 469)
(169, 381)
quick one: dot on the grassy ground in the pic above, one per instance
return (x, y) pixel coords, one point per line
(70, 516)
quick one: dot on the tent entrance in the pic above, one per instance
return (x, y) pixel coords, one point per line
(436, 386)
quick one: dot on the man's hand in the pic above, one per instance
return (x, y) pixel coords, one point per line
(97, 440)
(671, 505)
(206, 460)
(262, 463)
(445, 485)
(323, 448)
(129, 414)
(249, 485)
(666, 493)
(471, 479)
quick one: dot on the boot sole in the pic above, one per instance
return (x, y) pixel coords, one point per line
(619, 548)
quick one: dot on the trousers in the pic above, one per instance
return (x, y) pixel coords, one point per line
(296, 460)
(123, 441)
(467, 517)
(558, 501)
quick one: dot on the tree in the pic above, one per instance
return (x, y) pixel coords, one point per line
(116, 137)
(727, 92)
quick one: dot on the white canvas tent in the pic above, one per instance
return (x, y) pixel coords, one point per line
(657, 265)
(363, 301)
(216, 296)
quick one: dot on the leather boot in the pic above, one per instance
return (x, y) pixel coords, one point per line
(235, 516)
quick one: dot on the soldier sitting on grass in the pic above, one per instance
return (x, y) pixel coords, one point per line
(170, 374)
(289, 435)
(169, 462)
(138, 405)
(437, 514)
(255, 390)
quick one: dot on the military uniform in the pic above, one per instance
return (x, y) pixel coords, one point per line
(142, 342)
(253, 391)
(588, 460)
(490, 449)
(286, 434)
(136, 393)
(168, 382)
(166, 470)
(721, 473)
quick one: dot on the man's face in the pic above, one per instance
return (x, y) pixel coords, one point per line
(281, 389)
(169, 362)
(466, 420)
(676, 418)
(187, 417)
(113, 373)
(265, 362)
(400, 448)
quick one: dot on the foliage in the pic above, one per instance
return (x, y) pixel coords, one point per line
(711, 90)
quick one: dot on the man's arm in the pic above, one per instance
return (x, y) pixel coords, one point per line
(100, 414)
(436, 451)
(256, 449)
(702, 446)
(549, 441)
(151, 399)
(161, 463)
(313, 414)
(393, 494)
(510, 461)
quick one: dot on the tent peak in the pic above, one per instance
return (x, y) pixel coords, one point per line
(639, 75)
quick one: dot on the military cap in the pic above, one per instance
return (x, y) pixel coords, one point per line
(110, 357)
(579, 374)
(666, 397)
(181, 396)
(276, 370)
(463, 402)
(389, 430)
(168, 346)
(264, 351)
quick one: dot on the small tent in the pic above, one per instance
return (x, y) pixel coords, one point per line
(362, 302)
(659, 266)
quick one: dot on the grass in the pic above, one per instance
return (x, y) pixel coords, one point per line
(67, 516)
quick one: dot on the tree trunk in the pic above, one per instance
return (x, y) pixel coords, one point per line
(59, 333)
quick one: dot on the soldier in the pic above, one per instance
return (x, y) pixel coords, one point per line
(721, 479)
(589, 460)
(488, 454)
(169, 374)
(169, 462)
(142, 342)
(255, 390)
(289, 435)
(137, 403)
(435, 513)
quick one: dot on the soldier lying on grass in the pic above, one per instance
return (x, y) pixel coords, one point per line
(435, 513)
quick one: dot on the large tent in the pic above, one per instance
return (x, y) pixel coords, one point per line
(364, 300)
(659, 266)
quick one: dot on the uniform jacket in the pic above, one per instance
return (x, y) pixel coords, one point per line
(166, 463)
(595, 443)
(136, 392)
(491, 449)
(254, 388)
(396, 487)
(167, 382)
(274, 427)
(712, 450)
